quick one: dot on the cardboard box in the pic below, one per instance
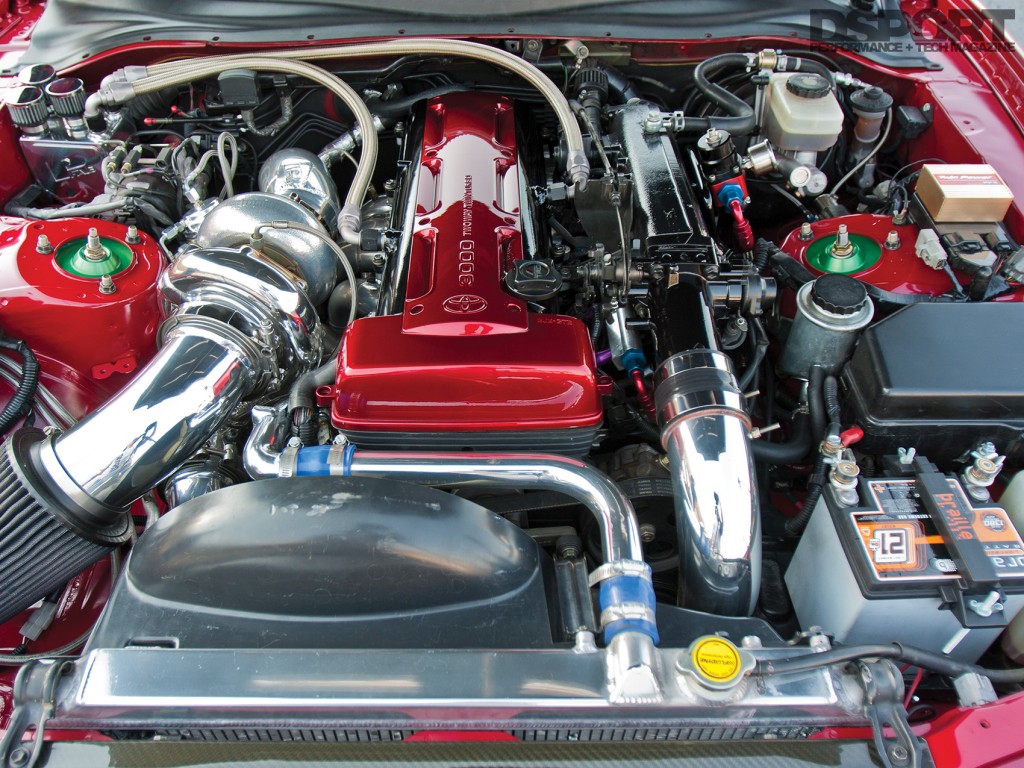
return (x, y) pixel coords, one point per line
(963, 192)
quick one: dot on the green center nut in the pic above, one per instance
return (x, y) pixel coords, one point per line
(843, 253)
(94, 256)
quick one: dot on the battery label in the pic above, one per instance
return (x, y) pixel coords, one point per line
(901, 543)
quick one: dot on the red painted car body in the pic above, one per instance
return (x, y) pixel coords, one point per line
(977, 103)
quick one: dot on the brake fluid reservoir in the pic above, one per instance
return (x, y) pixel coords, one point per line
(801, 113)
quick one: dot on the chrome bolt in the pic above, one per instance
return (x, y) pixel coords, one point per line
(107, 285)
(294, 442)
(94, 250)
(43, 244)
(892, 241)
(806, 233)
(647, 533)
(133, 235)
(842, 247)
(899, 753)
(18, 758)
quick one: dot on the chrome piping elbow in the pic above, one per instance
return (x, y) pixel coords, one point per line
(705, 430)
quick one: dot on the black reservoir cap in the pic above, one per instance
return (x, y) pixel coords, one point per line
(838, 294)
(809, 85)
(871, 99)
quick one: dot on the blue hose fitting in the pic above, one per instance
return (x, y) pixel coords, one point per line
(627, 605)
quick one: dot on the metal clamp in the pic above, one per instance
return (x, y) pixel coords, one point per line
(619, 568)
(35, 700)
(883, 685)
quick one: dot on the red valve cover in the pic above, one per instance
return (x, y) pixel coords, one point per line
(465, 355)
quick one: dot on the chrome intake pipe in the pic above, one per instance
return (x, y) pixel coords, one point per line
(705, 430)
(240, 330)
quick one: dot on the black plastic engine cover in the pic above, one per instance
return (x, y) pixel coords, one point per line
(321, 562)
(939, 378)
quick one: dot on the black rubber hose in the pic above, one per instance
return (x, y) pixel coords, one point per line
(816, 402)
(790, 452)
(619, 84)
(397, 108)
(916, 657)
(809, 65)
(301, 395)
(21, 402)
(830, 391)
(648, 430)
(760, 350)
(796, 524)
(740, 115)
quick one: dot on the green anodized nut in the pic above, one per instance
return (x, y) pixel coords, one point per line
(865, 253)
(107, 257)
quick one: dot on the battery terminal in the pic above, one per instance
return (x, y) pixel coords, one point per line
(983, 471)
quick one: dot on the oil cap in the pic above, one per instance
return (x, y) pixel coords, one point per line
(809, 85)
(715, 662)
(839, 294)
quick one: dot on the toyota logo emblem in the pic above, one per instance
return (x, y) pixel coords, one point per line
(464, 304)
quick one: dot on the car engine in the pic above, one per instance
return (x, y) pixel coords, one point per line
(428, 382)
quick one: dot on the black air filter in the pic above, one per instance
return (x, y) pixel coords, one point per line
(41, 545)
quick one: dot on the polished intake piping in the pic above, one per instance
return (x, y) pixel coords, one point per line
(705, 434)
(241, 329)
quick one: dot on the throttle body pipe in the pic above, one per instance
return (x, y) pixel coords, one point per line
(705, 432)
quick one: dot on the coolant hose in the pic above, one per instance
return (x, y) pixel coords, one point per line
(302, 391)
(740, 119)
(21, 401)
(790, 452)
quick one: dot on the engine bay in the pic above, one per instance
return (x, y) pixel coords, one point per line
(694, 376)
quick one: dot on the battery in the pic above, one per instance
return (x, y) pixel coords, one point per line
(907, 564)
